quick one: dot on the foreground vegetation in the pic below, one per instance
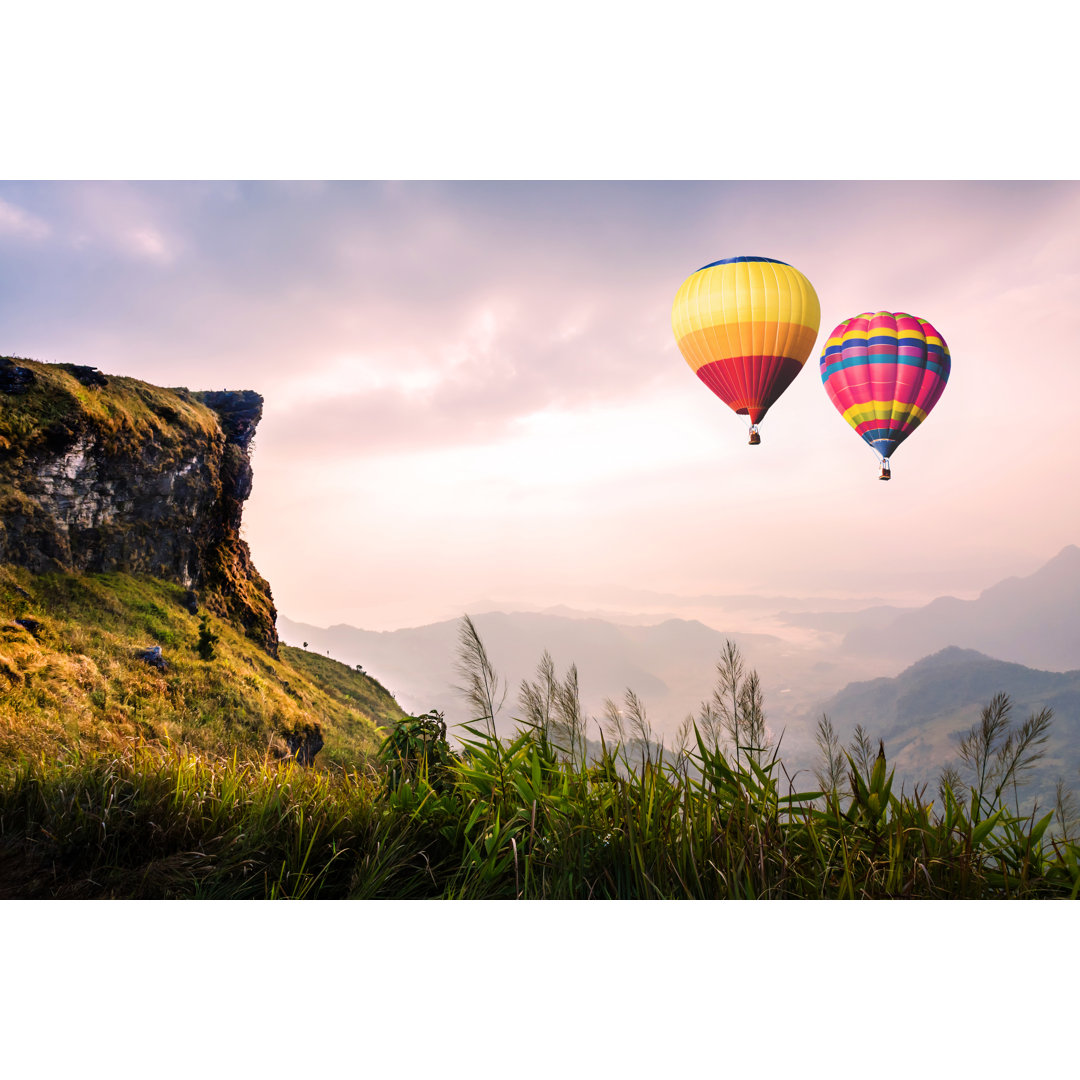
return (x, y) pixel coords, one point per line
(122, 809)
(505, 819)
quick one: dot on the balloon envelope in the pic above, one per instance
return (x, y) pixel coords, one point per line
(746, 326)
(884, 372)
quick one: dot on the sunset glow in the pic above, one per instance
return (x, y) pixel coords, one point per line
(472, 389)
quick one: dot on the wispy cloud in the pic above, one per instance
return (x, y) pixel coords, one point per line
(19, 223)
(441, 354)
(146, 242)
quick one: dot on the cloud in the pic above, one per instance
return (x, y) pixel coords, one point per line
(147, 243)
(14, 221)
(487, 338)
(381, 316)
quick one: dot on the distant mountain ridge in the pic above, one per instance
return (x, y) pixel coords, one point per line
(671, 665)
(1033, 621)
(1022, 629)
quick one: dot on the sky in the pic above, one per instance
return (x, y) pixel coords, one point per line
(473, 395)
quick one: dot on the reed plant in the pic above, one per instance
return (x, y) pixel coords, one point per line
(503, 818)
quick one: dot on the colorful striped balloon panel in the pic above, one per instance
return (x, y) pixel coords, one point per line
(884, 372)
(746, 327)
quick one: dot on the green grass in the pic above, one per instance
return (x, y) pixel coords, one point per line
(76, 683)
(118, 780)
(339, 681)
(127, 413)
(506, 820)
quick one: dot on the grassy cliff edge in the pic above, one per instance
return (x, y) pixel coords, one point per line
(71, 676)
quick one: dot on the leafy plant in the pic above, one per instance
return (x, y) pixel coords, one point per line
(417, 747)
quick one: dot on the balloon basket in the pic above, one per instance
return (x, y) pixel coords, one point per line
(755, 435)
(886, 472)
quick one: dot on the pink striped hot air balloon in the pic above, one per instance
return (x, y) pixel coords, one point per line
(884, 372)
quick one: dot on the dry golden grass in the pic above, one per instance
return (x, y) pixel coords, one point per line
(77, 681)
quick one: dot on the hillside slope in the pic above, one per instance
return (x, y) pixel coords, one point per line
(71, 676)
(924, 712)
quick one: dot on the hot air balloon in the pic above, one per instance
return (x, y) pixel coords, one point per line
(746, 326)
(884, 373)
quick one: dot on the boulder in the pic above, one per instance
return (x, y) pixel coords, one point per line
(88, 376)
(153, 657)
(13, 378)
(304, 745)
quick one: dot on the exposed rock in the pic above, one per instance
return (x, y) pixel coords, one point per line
(153, 657)
(304, 745)
(31, 626)
(14, 379)
(240, 412)
(88, 376)
(137, 479)
(191, 601)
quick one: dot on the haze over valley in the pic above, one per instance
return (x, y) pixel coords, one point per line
(858, 665)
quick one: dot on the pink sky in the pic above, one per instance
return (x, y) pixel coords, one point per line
(473, 393)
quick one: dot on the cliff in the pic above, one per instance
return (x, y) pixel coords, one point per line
(106, 473)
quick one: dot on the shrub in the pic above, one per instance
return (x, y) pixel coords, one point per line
(207, 639)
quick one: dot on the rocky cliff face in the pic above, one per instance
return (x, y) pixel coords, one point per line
(109, 473)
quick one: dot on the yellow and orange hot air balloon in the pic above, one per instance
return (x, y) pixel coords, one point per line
(746, 326)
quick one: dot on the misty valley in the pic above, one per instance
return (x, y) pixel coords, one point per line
(915, 678)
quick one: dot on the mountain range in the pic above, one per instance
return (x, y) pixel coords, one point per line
(936, 665)
(1033, 620)
(922, 714)
(671, 665)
